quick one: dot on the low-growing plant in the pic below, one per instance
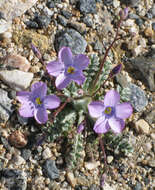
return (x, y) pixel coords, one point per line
(80, 100)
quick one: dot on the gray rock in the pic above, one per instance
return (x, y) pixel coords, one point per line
(66, 14)
(22, 120)
(138, 186)
(87, 6)
(153, 10)
(108, 2)
(98, 46)
(5, 106)
(12, 9)
(50, 169)
(146, 67)
(88, 21)
(137, 97)
(14, 179)
(94, 187)
(26, 154)
(72, 39)
(62, 20)
(17, 80)
(132, 3)
(43, 21)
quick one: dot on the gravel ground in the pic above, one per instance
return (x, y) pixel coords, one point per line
(86, 26)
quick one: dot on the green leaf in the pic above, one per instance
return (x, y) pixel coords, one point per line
(63, 123)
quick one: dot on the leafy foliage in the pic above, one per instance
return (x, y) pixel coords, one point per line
(119, 144)
(124, 93)
(63, 123)
(91, 72)
(75, 155)
(71, 90)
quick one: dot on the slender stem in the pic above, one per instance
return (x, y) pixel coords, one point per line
(103, 150)
(106, 54)
(100, 86)
(61, 107)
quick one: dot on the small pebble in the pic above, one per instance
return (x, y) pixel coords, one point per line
(46, 153)
(110, 159)
(71, 179)
(91, 165)
(142, 126)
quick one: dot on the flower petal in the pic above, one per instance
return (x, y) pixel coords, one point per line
(39, 89)
(26, 109)
(123, 110)
(80, 61)
(54, 68)
(112, 98)
(65, 55)
(23, 96)
(62, 81)
(79, 78)
(101, 125)
(51, 102)
(41, 115)
(96, 108)
(117, 125)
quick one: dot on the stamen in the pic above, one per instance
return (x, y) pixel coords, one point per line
(108, 110)
(38, 101)
(71, 70)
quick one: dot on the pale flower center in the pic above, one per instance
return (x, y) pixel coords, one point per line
(71, 70)
(108, 110)
(38, 101)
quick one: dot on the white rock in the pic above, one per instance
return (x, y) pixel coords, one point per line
(116, 3)
(46, 153)
(142, 127)
(71, 179)
(17, 80)
(17, 61)
(153, 136)
(91, 165)
(5, 106)
(110, 159)
(11, 9)
(108, 187)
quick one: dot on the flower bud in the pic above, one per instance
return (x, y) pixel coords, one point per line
(115, 70)
(36, 51)
(80, 128)
(124, 13)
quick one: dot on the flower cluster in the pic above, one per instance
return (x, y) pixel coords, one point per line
(67, 72)
(110, 113)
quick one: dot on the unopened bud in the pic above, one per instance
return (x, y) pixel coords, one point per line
(124, 13)
(115, 70)
(80, 128)
(36, 51)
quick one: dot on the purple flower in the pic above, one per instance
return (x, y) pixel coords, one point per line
(110, 113)
(68, 68)
(36, 102)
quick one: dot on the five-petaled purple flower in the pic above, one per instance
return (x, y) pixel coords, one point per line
(68, 68)
(36, 102)
(110, 113)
